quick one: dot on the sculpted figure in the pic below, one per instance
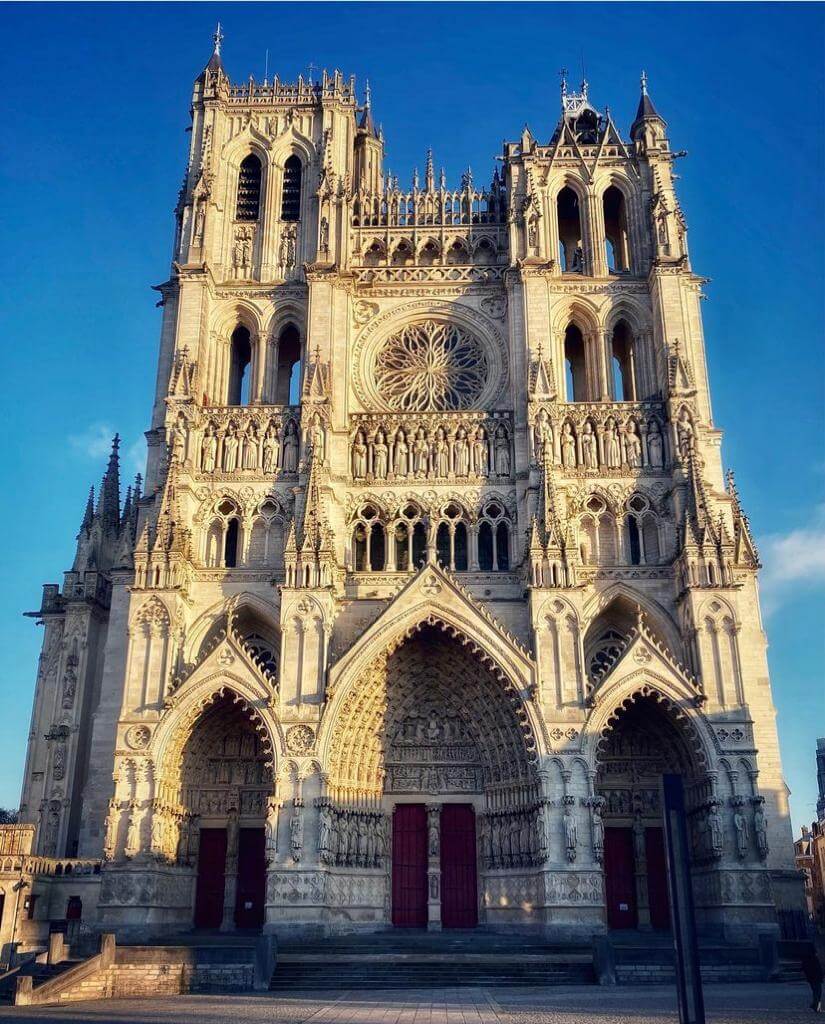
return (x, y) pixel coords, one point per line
(290, 448)
(481, 453)
(359, 456)
(209, 450)
(542, 436)
(590, 458)
(760, 829)
(250, 449)
(380, 454)
(684, 433)
(461, 453)
(654, 445)
(112, 823)
(230, 451)
(571, 835)
(271, 446)
(568, 447)
(401, 466)
(612, 448)
(598, 833)
(421, 451)
(632, 446)
(502, 452)
(157, 834)
(133, 832)
(639, 850)
(441, 454)
(317, 437)
(742, 833)
(541, 828)
(715, 830)
(296, 834)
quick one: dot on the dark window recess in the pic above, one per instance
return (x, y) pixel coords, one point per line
(248, 205)
(291, 194)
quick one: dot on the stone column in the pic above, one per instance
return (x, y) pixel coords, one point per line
(434, 867)
(230, 872)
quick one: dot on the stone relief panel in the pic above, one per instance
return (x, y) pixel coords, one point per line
(295, 887)
(430, 751)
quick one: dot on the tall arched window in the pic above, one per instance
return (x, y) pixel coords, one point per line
(574, 365)
(616, 241)
(248, 205)
(288, 386)
(623, 363)
(240, 357)
(291, 192)
(230, 547)
(571, 247)
(368, 542)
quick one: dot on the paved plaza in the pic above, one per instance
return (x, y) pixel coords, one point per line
(725, 1004)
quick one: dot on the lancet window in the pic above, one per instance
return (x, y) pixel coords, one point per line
(494, 539)
(575, 365)
(240, 362)
(248, 203)
(452, 548)
(223, 536)
(409, 541)
(597, 534)
(641, 532)
(571, 246)
(616, 240)
(291, 190)
(369, 542)
(623, 362)
(288, 378)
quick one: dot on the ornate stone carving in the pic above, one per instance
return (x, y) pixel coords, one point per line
(138, 736)
(295, 887)
(300, 739)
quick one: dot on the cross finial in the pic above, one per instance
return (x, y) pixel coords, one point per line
(217, 38)
(643, 81)
(310, 68)
(563, 76)
(367, 94)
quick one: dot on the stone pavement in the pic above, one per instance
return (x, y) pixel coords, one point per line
(725, 1004)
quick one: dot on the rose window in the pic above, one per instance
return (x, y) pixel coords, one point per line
(431, 365)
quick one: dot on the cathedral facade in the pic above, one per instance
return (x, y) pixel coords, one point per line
(435, 570)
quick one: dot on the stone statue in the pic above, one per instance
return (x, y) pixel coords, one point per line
(502, 452)
(317, 437)
(290, 448)
(380, 457)
(230, 451)
(571, 835)
(441, 454)
(112, 828)
(542, 436)
(612, 448)
(296, 833)
(359, 456)
(655, 450)
(639, 848)
(742, 833)
(271, 451)
(632, 446)
(157, 834)
(590, 458)
(433, 837)
(133, 832)
(250, 448)
(715, 831)
(323, 235)
(69, 686)
(401, 462)
(568, 447)
(461, 453)
(760, 829)
(421, 451)
(684, 433)
(598, 832)
(481, 453)
(209, 449)
(51, 831)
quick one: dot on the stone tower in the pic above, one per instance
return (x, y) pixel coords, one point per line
(436, 569)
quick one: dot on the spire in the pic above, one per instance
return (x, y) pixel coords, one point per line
(89, 514)
(366, 122)
(215, 62)
(645, 111)
(110, 489)
(429, 177)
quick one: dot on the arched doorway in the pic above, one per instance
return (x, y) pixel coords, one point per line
(642, 742)
(224, 784)
(442, 744)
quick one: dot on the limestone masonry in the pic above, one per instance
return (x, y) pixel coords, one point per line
(435, 569)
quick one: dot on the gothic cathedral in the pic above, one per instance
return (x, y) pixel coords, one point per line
(435, 570)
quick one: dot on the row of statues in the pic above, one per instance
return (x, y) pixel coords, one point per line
(589, 445)
(708, 832)
(272, 449)
(426, 454)
(513, 839)
(352, 839)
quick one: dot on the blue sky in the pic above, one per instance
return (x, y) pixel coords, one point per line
(94, 147)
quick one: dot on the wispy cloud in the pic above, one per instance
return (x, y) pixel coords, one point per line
(95, 442)
(134, 458)
(792, 561)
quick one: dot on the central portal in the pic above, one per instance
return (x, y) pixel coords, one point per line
(419, 858)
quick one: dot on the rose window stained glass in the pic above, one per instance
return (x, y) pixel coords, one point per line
(431, 365)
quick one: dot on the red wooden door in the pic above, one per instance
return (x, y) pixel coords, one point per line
(251, 891)
(657, 878)
(619, 879)
(409, 866)
(459, 889)
(209, 889)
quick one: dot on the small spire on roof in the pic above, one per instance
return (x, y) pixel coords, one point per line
(643, 83)
(367, 94)
(217, 38)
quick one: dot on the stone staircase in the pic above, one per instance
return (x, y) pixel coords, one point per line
(412, 959)
(38, 972)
